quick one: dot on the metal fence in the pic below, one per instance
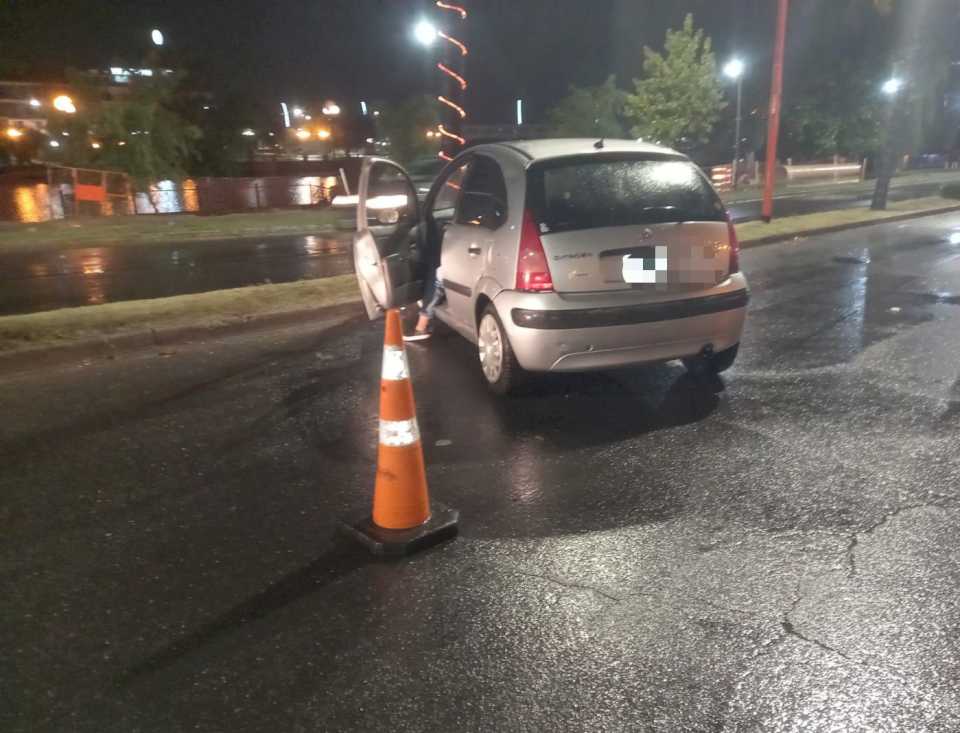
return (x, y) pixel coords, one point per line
(223, 195)
(88, 191)
(70, 192)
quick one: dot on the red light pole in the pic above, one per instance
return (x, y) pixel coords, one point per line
(776, 103)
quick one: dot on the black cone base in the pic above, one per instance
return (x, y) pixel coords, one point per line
(441, 526)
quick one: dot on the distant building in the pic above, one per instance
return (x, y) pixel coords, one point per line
(26, 105)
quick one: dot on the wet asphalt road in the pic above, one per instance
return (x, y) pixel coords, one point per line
(638, 550)
(48, 279)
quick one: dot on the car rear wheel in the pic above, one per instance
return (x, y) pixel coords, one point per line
(497, 360)
(714, 364)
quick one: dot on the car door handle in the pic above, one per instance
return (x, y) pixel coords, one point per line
(474, 250)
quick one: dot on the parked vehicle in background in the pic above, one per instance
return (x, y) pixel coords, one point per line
(561, 255)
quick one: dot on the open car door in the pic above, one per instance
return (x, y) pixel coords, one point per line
(386, 253)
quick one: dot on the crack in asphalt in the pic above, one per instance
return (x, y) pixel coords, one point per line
(850, 554)
(790, 628)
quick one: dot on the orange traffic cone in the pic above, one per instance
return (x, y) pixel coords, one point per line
(403, 520)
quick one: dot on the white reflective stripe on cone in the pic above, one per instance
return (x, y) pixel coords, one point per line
(399, 433)
(395, 364)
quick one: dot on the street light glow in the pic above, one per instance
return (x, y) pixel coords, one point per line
(892, 87)
(156, 35)
(425, 32)
(734, 69)
(248, 133)
(34, 102)
(14, 134)
(54, 144)
(331, 109)
(298, 112)
(63, 103)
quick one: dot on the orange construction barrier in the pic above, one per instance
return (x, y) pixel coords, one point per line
(402, 520)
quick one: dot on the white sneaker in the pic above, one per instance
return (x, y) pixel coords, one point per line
(418, 336)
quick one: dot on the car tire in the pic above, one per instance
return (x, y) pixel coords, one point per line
(498, 363)
(713, 364)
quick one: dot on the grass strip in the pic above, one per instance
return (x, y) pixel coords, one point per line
(216, 308)
(163, 228)
(800, 225)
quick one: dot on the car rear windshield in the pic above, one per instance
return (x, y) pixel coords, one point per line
(590, 193)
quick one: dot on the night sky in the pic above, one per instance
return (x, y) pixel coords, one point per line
(305, 50)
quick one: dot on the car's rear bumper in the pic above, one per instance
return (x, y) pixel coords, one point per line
(550, 332)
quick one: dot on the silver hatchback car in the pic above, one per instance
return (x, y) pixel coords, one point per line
(560, 255)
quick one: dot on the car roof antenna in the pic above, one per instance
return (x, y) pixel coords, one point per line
(598, 145)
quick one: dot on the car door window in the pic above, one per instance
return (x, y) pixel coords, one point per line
(391, 199)
(445, 204)
(484, 200)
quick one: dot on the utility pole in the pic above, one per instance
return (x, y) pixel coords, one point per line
(734, 70)
(736, 145)
(776, 104)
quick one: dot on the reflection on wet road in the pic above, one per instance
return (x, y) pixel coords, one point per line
(46, 280)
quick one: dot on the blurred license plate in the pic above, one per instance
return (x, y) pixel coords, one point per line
(649, 268)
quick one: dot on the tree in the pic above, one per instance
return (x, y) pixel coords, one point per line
(405, 126)
(138, 133)
(843, 117)
(221, 149)
(680, 98)
(589, 112)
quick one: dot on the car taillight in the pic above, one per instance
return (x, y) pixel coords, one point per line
(734, 246)
(533, 273)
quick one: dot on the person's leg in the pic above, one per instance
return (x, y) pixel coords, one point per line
(432, 296)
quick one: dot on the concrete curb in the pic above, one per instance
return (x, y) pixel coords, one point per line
(109, 347)
(747, 244)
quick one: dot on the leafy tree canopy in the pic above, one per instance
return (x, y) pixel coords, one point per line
(680, 97)
(590, 112)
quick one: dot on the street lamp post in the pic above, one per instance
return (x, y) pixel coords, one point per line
(887, 163)
(734, 70)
